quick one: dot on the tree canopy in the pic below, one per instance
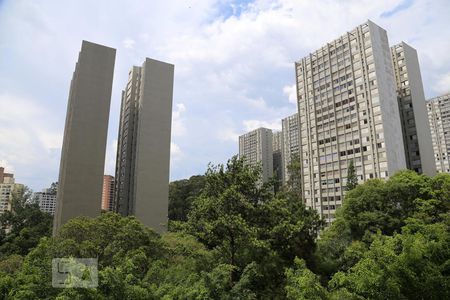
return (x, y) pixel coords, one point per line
(240, 240)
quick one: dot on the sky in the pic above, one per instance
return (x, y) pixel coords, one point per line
(234, 66)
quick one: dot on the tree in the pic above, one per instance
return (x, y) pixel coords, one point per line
(385, 205)
(54, 188)
(411, 265)
(246, 224)
(26, 224)
(181, 195)
(293, 182)
(352, 179)
(303, 284)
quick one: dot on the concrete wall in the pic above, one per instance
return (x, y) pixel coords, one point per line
(420, 111)
(84, 144)
(151, 188)
(388, 99)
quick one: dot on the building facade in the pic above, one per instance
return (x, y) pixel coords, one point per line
(256, 149)
(7, 188)
(348, 111)
(46, 200)
(290, 129)
(439, 119)
(84, 142)
(108, 193)
(413, 111)
(143, 149)
(277, 156)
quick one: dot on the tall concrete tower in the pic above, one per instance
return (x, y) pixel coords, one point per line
(84, 144)
(413, 112)
(256, 147)
(143, 149)
(439, 118)
(348, 111)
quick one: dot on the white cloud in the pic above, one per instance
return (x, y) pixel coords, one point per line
(178, 126)
(175, 152)
(250, 125)
(7, 166)
(110, 159)
(233, 73)
(228, 135)
(128, 43)
(291, 92)
(443, 84)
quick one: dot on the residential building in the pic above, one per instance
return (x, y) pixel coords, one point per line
(7, 188)
(290, 129)
(348, 111)
(439, 118)
(108, 193)
(143, 148)
(413, 111)
(277, 157)
(256, 149)
(46, 200)
(84, 142)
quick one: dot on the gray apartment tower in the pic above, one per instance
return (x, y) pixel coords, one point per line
(256, 149)
(85, 133)
(439, 118)
(143, 149)
(277, 148)
(290, 129)
(413, 112)
(348, 111)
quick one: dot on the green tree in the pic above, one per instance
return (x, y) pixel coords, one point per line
(303, 284)
(181, 195)
(239, 218)
(293, 183)
(411, 265)
(25, 222)
(352, 179)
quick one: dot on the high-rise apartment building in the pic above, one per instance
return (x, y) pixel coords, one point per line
(277, 147)
(439, 118)
(7, 188)
(348, 111)
(84, 143)
(256, 149)
(143, 149)
(413, 111)
(108, 193)
(290, 129)
(46, 200)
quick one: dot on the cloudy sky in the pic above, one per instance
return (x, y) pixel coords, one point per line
(234, 66)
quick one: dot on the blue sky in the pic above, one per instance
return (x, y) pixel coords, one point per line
(234, 66)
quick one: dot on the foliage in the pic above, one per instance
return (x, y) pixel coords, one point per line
(390, 240)
(23, 226)
(293, 183)
(303, 284)
(241, 220)
(181, 195)
(352, 179)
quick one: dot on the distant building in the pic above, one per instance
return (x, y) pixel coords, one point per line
(439, 118)
(256, 149)
(413, 110)
(143, 148)
(348, 111)
(85, 132)
(46, 200)
(277, 147)
(108, 193)
(290, 129)
(7, 188)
